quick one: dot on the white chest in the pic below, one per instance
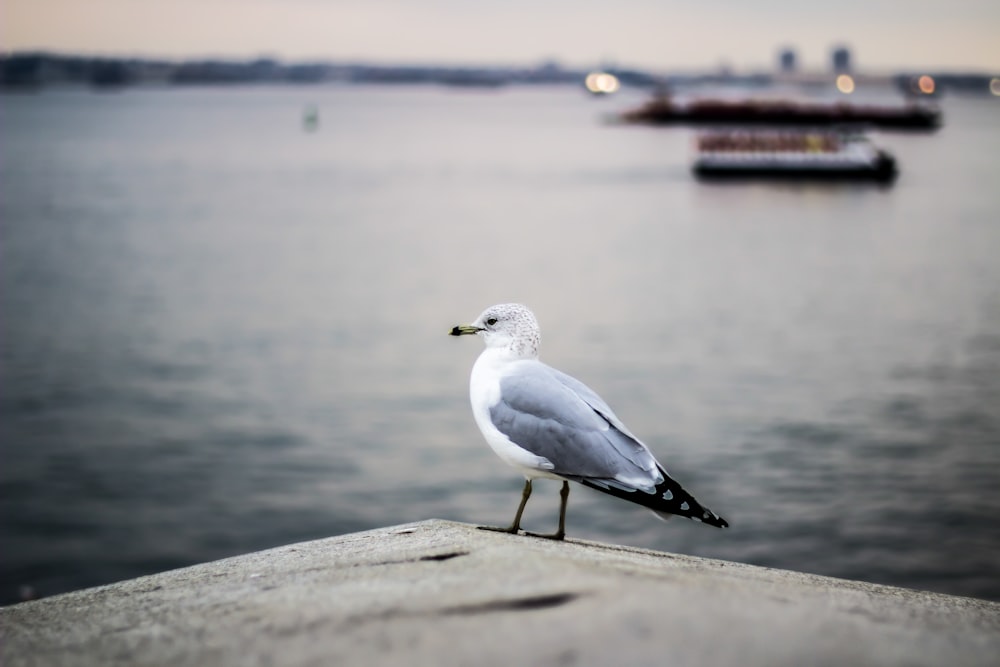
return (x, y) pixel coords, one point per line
(484, 393)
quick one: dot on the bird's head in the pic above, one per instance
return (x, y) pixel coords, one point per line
(509, 326)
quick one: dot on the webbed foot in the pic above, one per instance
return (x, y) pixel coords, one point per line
(497, 529)
(558, 535)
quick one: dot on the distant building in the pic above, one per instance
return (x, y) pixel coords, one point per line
(787, 60)
(841, 59)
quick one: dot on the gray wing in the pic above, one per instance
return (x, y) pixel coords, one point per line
(555, 416)
(594, 401)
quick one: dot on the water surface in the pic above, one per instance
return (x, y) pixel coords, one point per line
(221, 332)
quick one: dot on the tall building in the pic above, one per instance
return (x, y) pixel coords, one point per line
(786, 60)
(841, 58)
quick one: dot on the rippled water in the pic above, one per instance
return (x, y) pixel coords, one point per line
(222, 333)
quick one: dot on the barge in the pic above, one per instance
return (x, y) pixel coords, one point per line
(663, 110)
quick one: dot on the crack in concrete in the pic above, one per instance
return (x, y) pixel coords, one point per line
(515, 604)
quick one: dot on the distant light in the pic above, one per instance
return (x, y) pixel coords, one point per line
(845, 84)
(926, 85)
(602, 83)
(995, 86)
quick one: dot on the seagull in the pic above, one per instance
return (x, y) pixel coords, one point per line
(547, 424)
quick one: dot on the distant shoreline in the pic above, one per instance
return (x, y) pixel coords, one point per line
(32, 70)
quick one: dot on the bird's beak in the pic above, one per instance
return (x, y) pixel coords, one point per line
(464, 330)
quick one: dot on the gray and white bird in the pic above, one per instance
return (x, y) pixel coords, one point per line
(546, 424)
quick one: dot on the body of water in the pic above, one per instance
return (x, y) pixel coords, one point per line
(221, 332)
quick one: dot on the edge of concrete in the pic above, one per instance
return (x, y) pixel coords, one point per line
(437, 592)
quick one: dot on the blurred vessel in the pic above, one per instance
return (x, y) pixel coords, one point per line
(817, 154)
(664, 110)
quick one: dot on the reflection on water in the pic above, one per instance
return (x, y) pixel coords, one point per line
(223, 333)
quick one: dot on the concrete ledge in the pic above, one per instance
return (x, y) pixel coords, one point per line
(437, 592)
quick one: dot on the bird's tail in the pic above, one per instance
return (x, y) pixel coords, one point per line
(669, 498)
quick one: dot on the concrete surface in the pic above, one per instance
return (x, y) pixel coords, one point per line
(441, 593)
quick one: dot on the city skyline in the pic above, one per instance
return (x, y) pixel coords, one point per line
(881, 34)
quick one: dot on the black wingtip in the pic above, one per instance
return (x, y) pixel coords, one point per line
(702, 514)
(668, 499)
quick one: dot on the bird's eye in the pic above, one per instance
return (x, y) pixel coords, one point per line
(491, 321)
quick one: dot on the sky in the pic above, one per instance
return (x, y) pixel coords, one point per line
(661, 35)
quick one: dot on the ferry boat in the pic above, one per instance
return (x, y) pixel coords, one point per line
(818, 155)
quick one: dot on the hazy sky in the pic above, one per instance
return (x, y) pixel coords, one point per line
(656, 34)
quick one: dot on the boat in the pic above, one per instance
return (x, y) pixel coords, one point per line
(664, 110)
(801, 155)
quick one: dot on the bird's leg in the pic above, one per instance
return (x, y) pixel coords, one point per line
(514, 527)
(561, 533)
